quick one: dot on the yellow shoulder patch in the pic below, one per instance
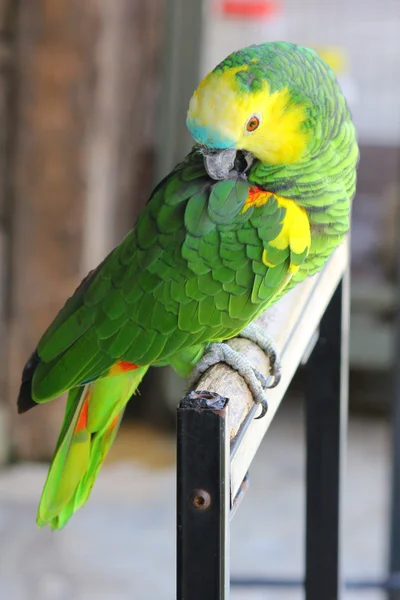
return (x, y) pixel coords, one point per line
(295, 233)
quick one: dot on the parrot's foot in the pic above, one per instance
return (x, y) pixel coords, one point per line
(265, 342)
(220, 352)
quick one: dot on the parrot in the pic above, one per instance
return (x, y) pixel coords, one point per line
(259, 204)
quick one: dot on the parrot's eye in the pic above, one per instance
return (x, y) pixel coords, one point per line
(252, 123)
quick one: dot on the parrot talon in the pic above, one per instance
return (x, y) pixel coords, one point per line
(267, 345)
(220, 352)
(264, 409)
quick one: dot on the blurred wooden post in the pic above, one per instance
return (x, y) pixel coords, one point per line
(55, 70)
(85, 73)
(7, 90)
(180, 77)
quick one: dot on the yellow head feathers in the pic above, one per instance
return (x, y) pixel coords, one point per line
(223, 114)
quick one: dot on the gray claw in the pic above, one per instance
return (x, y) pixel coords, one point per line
(264, 409)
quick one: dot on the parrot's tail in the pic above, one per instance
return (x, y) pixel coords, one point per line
(92, 417)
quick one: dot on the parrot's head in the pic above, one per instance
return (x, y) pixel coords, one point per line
(254, 105)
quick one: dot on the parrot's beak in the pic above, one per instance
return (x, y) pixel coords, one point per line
(223, 164)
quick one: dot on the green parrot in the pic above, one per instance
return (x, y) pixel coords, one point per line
(258, 205)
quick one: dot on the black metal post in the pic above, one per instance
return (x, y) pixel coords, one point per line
(326, 415)
(394, 534)
(203, 501)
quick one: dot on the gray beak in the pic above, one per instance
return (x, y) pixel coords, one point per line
(222, 164)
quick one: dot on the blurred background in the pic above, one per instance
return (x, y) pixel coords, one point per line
(93, 96)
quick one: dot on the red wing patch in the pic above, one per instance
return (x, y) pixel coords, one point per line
(122, 366)
(83, 416)
(126, 366)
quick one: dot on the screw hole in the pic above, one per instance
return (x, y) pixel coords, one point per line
(200, 499)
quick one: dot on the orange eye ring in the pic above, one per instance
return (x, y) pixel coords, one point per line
(252, 123)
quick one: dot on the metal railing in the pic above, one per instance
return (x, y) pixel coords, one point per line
(218, 437)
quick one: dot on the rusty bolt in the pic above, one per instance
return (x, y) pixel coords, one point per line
(200, 499)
